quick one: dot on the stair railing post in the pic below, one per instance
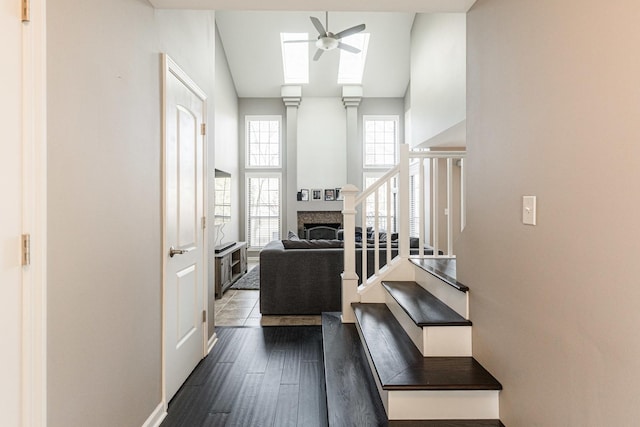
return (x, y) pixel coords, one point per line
(349, 275)
(403, 202)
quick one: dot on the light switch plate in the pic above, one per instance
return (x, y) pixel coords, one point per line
(529, 210)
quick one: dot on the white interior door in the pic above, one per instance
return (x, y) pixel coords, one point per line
(10, 213)
(185, 269)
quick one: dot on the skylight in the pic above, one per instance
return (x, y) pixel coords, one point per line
(295, 58)
(352, 64)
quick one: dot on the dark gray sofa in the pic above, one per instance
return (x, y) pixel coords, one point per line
(305, 278)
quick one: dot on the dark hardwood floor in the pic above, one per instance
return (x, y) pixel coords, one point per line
(271, 376)
(275, 376)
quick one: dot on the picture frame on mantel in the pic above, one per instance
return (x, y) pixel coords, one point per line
(330, 194)
(316, 194)
(304, 195)
(339, 194)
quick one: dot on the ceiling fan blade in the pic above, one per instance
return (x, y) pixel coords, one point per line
(318, 54)
(348, 48)
(350, 31)
(316, 23)
(300, 41)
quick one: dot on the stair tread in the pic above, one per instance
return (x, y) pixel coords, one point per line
(400, 366)
(442, 268)
(422, 306)
(352, 396)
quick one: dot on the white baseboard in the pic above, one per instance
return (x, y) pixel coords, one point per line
(157, 416)
(212, 341)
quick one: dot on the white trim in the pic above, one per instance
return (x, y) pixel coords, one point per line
(34, 218)
(250, 118)
(212, 342)
(157, 416)
(169, 66)
(396, 120)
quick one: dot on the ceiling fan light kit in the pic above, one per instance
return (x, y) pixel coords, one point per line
(327, 43)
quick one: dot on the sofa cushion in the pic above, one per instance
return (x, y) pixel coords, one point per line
(292, 236)
(312, 244)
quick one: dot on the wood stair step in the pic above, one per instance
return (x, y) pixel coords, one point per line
(442, 268)
(422, 306)
(352, 397)
(400, 366)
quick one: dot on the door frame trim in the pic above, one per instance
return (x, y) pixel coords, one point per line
(34, 217)
(169, 66)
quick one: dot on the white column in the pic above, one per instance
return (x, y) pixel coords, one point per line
(351, 97)
(291, 96)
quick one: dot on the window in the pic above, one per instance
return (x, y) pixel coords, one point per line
(351, 65)
(380, 141)
(295, 58)
(263, 209)
(263, 141)
(383, 211)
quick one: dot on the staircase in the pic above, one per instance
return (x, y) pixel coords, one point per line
(400, 352)
(408, 361)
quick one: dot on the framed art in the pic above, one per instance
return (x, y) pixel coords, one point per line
(330, 194)
(339, 194)
(305, 194)
(316, 194)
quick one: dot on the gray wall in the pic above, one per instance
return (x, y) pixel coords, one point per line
(553, 107)
(104, 202)
(226, 136)
(223, 141)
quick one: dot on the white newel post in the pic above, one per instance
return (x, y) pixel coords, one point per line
(349, 275)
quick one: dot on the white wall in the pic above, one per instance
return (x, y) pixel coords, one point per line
(438, 78)
(322, 143)
(553, 107)
(104, 202)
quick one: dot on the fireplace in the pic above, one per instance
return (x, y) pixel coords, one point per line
(321, 231)
(325, 223)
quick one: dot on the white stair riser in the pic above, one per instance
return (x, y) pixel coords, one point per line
(445, 404)
(458, 301)
(433, 340)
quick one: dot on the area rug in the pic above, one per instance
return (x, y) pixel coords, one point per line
(250, 281)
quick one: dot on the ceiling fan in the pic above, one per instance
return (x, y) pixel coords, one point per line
(329, 41)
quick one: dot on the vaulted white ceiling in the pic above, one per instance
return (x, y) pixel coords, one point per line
(252, 43)
(250, 33)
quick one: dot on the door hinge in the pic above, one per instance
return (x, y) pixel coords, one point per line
(26, 249)
(204, 222)
(204, 316)
(26, 11)
(203, 129)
